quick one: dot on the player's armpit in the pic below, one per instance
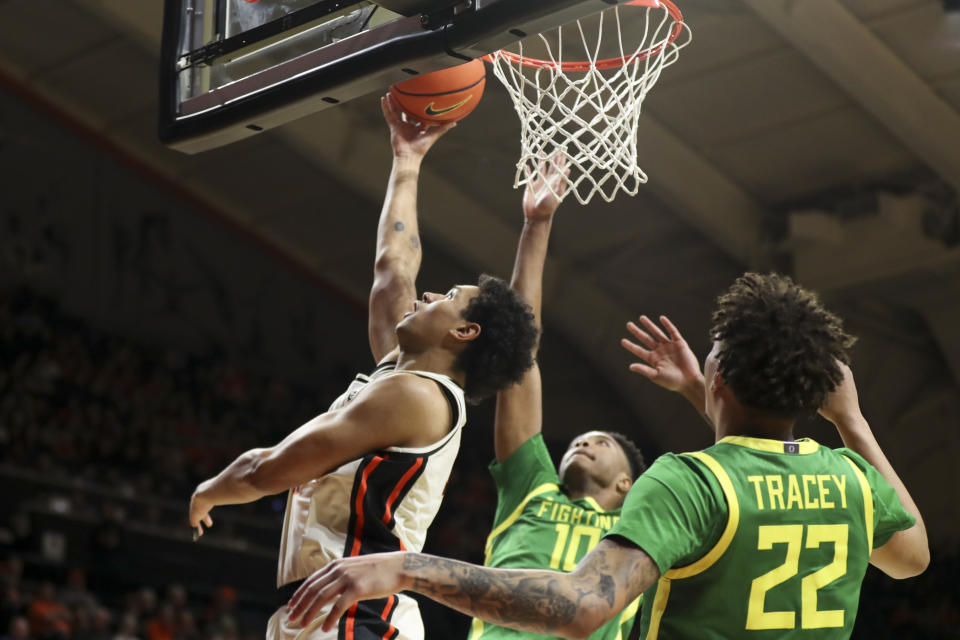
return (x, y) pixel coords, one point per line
(399, 410)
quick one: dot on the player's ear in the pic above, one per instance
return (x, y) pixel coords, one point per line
(716, 383)
(466, 332)
(624, 482)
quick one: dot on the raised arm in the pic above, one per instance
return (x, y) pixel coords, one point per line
(667, 361)
(406, 411)
(519, 413)
(398, 254)
(571, 605)
(907, 553)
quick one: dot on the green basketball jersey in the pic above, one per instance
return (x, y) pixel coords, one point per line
(537, 526)
(758, 539)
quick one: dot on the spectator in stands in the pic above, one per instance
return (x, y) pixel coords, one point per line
(162, 626)
(128, 628)
(75, 594)
(49, 619)
(100, 624)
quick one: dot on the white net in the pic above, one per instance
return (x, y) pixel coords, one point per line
(588, 110)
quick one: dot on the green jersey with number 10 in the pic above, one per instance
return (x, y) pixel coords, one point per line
(758, 539)
(537, 526)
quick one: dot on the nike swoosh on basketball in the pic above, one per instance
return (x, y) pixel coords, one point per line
(430, 111)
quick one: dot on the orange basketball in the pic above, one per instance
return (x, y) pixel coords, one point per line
(443, 96)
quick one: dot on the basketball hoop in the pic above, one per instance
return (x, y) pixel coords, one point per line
(588, 109)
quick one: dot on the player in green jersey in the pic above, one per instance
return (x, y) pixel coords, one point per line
(759, 536)
(546, 520)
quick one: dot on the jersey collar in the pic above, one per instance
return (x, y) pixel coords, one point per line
(803, 446)
(593, 503)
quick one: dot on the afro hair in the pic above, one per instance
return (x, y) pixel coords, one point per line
(503, 351)
(779, 347)
(637, 464)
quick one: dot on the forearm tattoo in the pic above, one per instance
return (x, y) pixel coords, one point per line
(530, 600)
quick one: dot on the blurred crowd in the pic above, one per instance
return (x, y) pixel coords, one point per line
(96, 428)
(46, 611)
(84, 404)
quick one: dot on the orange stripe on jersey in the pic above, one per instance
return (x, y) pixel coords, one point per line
(387, 611)
(400, 485)
(351, 616)
(361, 494)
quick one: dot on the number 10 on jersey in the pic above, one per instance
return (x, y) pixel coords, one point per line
(569, 538)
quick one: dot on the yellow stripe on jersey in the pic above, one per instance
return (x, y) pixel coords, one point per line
(593, 503)
(771, 446)
(488, 551)
(867, 503)
(733, 519)
(476, 629)
(629, 612)
(659, 606)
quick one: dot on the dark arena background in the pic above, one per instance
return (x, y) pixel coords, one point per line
(161, 313)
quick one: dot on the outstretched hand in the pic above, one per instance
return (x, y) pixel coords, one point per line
(545, 191)
(342, 583)
(408, 137)
(666, 360)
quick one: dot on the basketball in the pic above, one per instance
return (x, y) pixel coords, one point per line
(443, 96)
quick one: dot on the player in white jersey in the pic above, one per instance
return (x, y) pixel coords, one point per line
(368, 475)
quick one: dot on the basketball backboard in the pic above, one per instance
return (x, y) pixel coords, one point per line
(233, 68)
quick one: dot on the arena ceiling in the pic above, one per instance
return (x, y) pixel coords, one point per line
(816, 137)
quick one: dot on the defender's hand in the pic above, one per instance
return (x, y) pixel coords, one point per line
(843, 404)
(407, 137)
(542, 195)
(667, 361)
(344, 582)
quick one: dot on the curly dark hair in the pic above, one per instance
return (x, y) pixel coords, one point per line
(779, 346)
(503, 351)
(632, 451)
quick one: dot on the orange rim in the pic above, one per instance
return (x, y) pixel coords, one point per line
(608, 63)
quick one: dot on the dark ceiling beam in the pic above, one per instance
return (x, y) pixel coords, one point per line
(860, 63)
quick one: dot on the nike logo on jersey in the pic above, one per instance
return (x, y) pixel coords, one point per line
(430, 111)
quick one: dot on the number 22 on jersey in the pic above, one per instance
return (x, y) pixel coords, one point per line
(792, 535)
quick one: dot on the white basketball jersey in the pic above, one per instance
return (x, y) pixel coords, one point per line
(384, 501)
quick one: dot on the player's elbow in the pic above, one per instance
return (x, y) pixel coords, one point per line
(915, 564)
(909, 564)
(588, 618)
(923, 561)
(585, 625)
